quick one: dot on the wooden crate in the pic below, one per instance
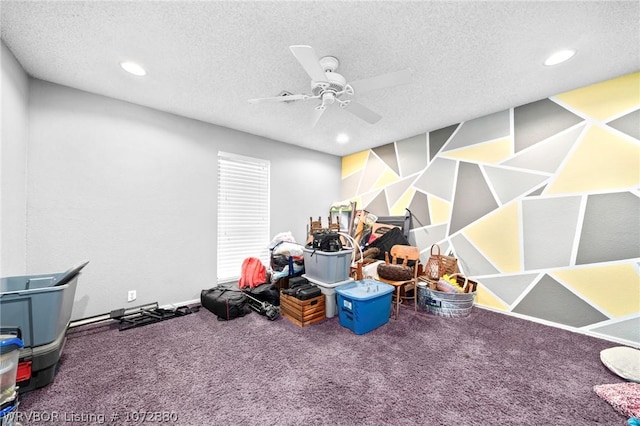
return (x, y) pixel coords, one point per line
(302, 312)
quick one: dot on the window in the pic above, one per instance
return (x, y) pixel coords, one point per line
(243, 213)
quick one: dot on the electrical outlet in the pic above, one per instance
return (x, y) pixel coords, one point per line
(131, 296)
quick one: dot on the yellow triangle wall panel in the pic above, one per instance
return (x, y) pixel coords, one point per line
(388, 177)
(399, 207)
(440, 210)
(602, 161)
(354, 162)
(613, 288)
(607, 99)
(485, 298)
(490, 152)
(497, 236)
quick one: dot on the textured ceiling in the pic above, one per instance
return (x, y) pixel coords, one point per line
(206, 59)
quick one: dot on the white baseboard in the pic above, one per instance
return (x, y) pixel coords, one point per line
(564, 327)
(175, 305)
(104, 317)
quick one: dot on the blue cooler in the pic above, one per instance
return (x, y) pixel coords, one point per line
(364, 305)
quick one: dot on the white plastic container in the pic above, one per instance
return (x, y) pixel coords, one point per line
(329, 291)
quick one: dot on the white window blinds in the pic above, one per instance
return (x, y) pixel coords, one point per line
(243, 213)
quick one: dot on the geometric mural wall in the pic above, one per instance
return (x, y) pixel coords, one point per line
(540, 204)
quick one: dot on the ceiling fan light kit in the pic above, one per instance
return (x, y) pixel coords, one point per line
(330, 87)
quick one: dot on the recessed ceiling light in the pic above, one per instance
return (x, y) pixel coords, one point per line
(342, 138)
(133, 68)
(559, 57)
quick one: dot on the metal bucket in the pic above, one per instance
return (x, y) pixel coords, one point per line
(452, 305)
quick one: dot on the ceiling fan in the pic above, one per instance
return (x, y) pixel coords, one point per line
(330, 87)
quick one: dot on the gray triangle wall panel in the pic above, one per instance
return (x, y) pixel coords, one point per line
(628, 329)
(509, 287)
(547, 156)
(470, 260)
(350, 185)
(551, 301)
(387, 153)
(438, 178)
(509, 184)
(397, 189)
(379, 206)
(419, 208)
(548, 237)
(412, 154)
(473, 198)
(607, 233)
(493, 126)
(537, 121)
(438, 138)
(629, 124)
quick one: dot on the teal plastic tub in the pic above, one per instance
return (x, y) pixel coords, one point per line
(364, 305)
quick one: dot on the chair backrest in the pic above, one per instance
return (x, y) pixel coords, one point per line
(400, 252)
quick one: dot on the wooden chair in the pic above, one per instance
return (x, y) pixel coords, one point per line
(406, 254)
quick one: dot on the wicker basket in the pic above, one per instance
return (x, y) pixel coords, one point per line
(440, 264)
(450, 265)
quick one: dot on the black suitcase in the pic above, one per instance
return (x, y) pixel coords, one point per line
(226, 303)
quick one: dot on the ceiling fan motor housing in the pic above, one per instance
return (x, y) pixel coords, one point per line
(335, 83)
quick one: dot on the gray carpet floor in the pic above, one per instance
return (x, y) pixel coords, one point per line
(486, 369)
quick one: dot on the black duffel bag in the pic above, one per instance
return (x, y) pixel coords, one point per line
(392, 237)
(266, 293)
(226, 303)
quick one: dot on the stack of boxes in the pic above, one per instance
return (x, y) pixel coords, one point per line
(328, 270)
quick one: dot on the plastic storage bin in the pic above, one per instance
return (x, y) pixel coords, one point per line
(329, 291)
(364, 305)
(10, 346)
(39, 304)
(327, 266)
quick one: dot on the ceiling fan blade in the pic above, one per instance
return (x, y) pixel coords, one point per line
(391, 79)
(317, 113)
(281, 98)
(309, 61)
(363, 112)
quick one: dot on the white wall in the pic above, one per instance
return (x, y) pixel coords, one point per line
(14, 90)
(133, 190)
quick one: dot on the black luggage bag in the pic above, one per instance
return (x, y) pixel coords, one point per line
(225, 303)
(266, 293)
